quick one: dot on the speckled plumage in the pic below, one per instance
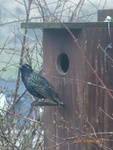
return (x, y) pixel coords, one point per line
(37, 85)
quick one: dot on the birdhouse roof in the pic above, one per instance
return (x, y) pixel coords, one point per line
(34, 25)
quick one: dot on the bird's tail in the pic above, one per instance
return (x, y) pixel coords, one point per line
(58, 100)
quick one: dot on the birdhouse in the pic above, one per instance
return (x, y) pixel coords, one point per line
(78, 61)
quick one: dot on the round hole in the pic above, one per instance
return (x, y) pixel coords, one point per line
(62, 63)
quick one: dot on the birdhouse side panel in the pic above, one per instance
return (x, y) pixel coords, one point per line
(58, 42)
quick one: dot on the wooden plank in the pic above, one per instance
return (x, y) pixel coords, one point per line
(61, 122)
(81, 25)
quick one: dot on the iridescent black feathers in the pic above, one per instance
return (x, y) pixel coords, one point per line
(37, 85)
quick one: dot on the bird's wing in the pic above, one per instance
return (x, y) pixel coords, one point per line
(41, 85)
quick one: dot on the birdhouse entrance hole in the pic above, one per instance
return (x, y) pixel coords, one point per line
(62, 63)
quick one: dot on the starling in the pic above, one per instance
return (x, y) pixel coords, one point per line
(37, 85)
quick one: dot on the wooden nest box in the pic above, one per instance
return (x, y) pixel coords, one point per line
(75, 68)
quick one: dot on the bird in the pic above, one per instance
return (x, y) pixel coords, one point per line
(37, 85)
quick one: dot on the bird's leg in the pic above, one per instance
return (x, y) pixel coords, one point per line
(37, 100)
